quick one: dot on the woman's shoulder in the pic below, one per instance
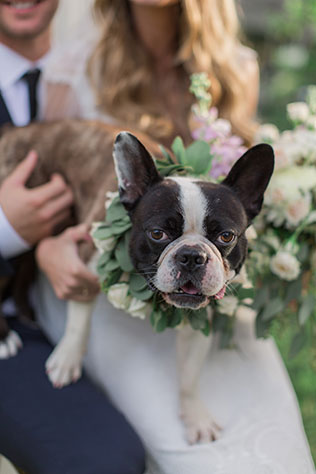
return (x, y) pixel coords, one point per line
(68, 63)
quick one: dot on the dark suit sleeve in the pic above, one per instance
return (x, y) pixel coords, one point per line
(5, 267)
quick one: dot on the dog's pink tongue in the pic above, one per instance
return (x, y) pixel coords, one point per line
(189, 288)
(220, 294)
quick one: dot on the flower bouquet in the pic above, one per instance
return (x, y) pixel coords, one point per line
(282, 256)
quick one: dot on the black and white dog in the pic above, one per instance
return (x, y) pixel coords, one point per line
(188, 240)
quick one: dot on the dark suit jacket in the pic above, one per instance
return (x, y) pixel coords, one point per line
(5, 267)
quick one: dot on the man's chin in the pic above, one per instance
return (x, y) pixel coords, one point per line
(18, 25)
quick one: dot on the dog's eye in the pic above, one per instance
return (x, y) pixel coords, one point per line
(157, 234)
(226, 237)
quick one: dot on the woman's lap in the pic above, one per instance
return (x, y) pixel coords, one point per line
(247, 391)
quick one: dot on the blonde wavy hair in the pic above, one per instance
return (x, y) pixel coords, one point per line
(121, 75)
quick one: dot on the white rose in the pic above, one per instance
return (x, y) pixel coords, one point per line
(311, 122)
(267, 133)
(298, 111)
(103, 245)
(287, 184)
(285, 266)
(283, 158)
(297, 210)
(275, 195)
(139, 309)
(228, 305)
(251, 233)
(118, 296)
(242, 278)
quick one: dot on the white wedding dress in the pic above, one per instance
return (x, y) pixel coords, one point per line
(247, 390)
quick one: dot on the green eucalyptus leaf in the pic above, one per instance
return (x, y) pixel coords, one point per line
(103, 260)
(137, 282)
(120, 228)
(219, 322)
(225, 338)
(198, 157)
(179, 150)
(262, 326)
(111, 280)
(171, 169)
(142, 295)
(166, 154)
(261, 297)
(272, 308)
(111, 265)
(103, 232)
(297, 343)
(197, 319)
(116, 212)
(306, 309)
(244, 293)
(174, 316)
(207, 329)
(158, 319)
(293, 292)
(122, 256)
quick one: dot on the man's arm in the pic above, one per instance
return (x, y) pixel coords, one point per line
(29, 215)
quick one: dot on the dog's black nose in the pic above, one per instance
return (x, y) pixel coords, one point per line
(190, 258)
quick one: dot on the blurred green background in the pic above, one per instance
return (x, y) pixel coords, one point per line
(283, 32)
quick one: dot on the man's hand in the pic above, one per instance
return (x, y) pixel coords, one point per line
(58, 257)
(34, 213)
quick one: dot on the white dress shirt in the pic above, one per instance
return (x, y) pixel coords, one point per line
(15, 94)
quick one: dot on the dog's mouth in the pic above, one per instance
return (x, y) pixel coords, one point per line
(189, 296)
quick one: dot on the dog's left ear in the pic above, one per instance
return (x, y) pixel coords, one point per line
(135, 169)
(250, 176)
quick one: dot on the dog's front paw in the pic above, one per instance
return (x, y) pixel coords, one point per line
(10, 346)
(200, 426)
(64, 365)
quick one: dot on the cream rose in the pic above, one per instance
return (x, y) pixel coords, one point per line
(297, 210)
(103, 245)
(228, 305)
(285, 266)
(139, 309)
(118, 296)
(267, 133)
(298, 111)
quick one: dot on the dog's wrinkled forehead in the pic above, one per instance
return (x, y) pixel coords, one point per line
(192, 206)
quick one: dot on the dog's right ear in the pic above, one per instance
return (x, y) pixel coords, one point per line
(135, 169)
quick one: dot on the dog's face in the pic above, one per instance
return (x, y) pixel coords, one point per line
(188, 236)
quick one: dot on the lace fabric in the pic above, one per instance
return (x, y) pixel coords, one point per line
(68, 92)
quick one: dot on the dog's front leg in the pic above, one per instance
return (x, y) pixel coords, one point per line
(192, 348)
(65, 362)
